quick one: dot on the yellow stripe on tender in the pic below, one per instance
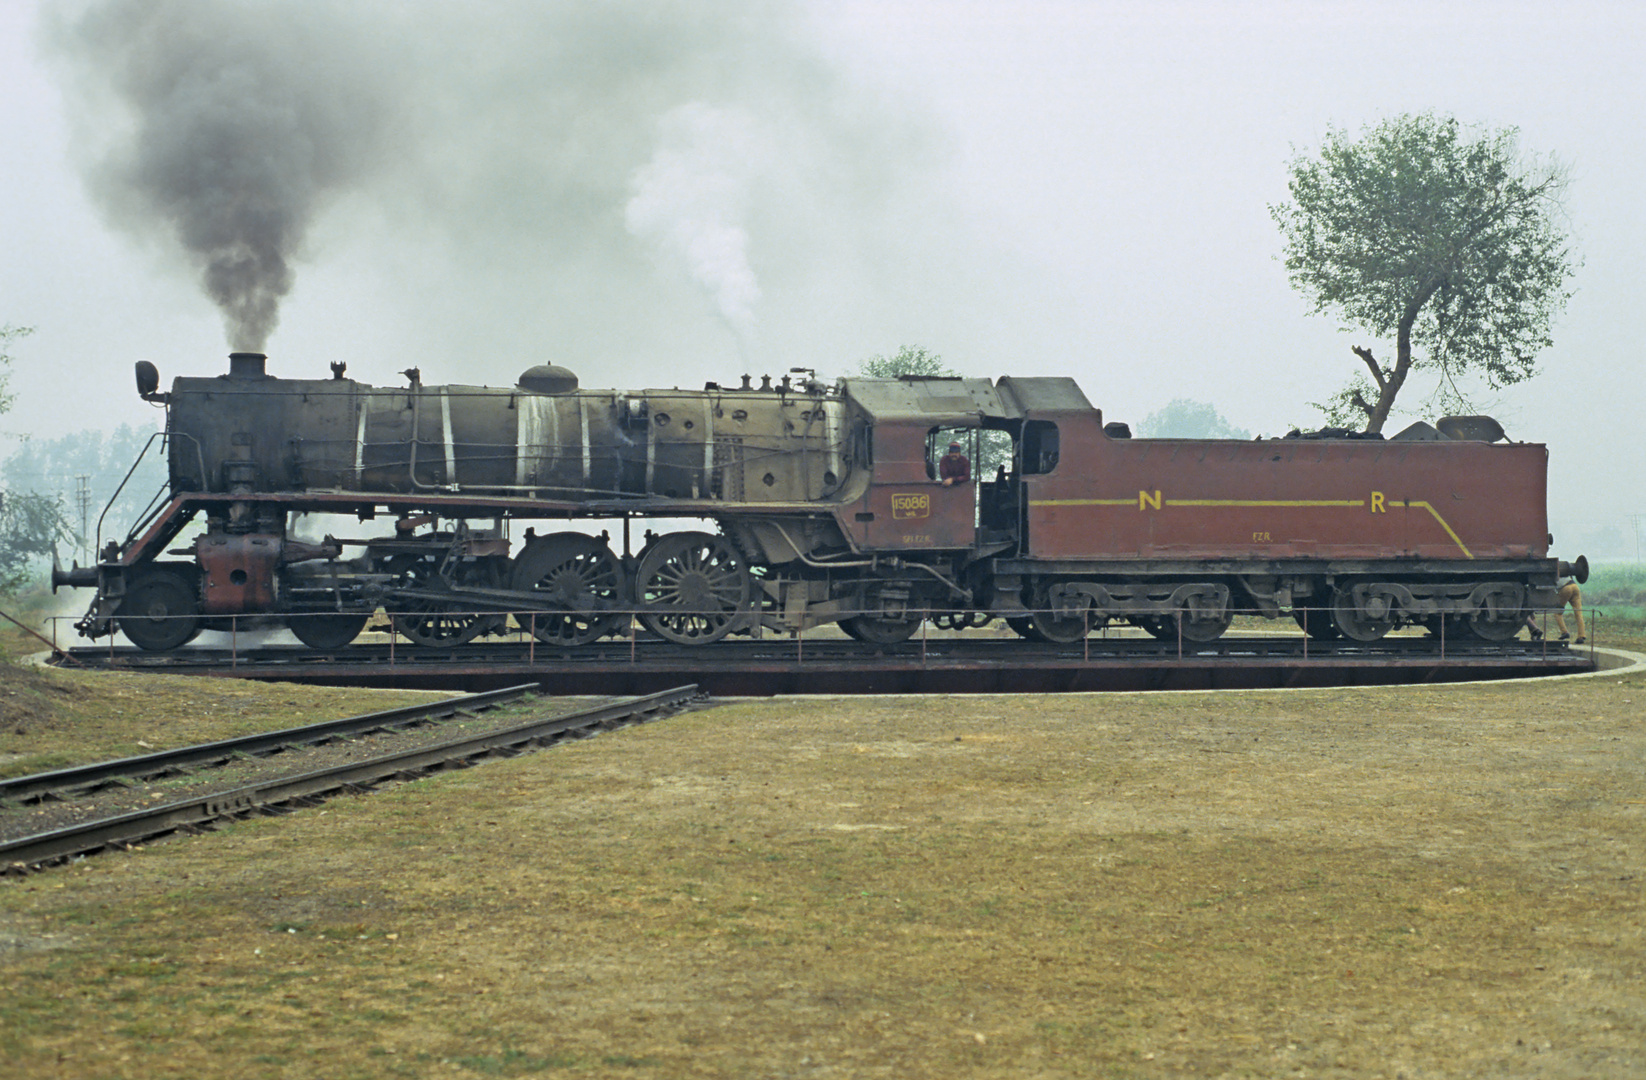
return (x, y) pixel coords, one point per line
(1265, 502)
(1203, 502)
(1445, 526)
(1258, 503)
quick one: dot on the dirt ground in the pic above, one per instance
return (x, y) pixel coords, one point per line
(1418, 882)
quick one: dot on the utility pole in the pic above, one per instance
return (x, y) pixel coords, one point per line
(82, 495)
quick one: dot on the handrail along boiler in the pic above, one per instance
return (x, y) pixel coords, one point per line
(825, 509)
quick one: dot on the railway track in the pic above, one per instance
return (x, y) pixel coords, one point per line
(969, 664)
(285, 794)
(84, 780)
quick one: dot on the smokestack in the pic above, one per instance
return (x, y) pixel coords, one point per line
(247, 365)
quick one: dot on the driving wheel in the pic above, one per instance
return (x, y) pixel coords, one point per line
(581, 577)
(435, 623)
(692, 587)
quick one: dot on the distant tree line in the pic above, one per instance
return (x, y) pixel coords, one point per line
(40, 482)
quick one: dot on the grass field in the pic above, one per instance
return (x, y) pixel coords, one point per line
(1417, 882)
(1619, 590)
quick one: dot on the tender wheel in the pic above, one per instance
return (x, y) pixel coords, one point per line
(1200, 631)
(159, 611)
(582, 577)
(1050, 627)
(1354, 624)
(1503, 628)
(437, 623)
(693, 586)
(1317, 623)
(327, 630)
(877, 631)
(1023, 626)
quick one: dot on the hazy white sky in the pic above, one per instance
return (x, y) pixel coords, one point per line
(1037, 188)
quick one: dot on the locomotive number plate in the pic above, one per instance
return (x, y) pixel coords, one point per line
(911, 506)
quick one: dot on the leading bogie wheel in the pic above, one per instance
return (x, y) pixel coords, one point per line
(691, 587)
(160, 611)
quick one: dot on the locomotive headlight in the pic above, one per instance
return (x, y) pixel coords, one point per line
(148, 379)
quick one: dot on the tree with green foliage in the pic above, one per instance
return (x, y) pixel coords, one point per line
(104, 460)
(1186, 419)
(1445, 238)
(9, 334)
(908, 360)
(30, 524)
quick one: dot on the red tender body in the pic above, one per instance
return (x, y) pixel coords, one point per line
(1283, 499)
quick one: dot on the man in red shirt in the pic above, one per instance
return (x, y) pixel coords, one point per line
(954, 467)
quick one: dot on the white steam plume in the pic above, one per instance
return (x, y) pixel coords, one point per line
(692, 198)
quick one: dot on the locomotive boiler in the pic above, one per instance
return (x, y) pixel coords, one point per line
(822, 508)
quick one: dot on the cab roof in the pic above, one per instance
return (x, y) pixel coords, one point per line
(937, 399)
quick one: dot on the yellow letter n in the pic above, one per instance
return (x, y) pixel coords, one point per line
(1144, 499)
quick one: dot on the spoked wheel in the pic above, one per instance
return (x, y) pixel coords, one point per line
(878, 631)
(1317, 623)
(1354, 624)
(693, 586)
(327, 629)
(1062, 629)
(160, 611)
(581, 577)
(441, 623)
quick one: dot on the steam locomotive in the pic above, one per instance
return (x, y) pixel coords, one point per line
(825, 510)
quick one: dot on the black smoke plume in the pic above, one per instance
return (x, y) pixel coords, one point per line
(223, 127)
(538, 156)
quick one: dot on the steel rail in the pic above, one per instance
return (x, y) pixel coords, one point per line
(284, 795)
(85, 779)
(374, 653)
